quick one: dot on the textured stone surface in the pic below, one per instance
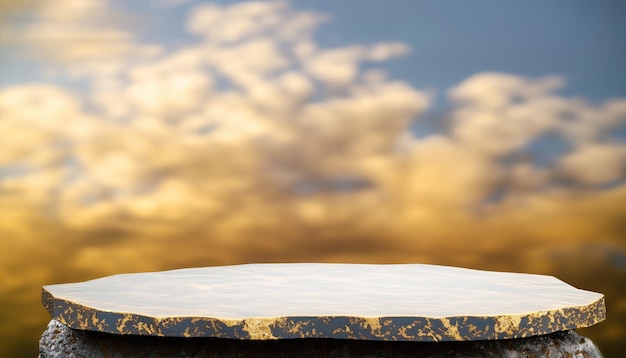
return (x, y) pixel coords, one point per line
(60, 341)
(342, 301)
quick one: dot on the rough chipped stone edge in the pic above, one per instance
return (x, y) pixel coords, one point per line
(360, 328)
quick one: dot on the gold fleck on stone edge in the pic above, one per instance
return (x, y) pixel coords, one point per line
(423, 329)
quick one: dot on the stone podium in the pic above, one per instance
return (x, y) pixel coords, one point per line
(310, 310)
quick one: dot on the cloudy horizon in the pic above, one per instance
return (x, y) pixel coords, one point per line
(251, 140)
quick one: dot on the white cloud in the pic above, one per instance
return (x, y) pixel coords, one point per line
(286, 93)
(583, 123)
(496, 90)
(177, 82)
(299, 26)
(34, 119)
(249, 63)
(499, 113)
(235, 22)
(84, 33)
(370, 120)
(615, 112)
(246, 20)
(169, 91)
(387, 50)
(339, 67)
(594, 164)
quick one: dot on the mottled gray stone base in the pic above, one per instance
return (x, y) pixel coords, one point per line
(61, 341)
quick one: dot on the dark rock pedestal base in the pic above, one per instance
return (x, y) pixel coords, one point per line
(60, 341)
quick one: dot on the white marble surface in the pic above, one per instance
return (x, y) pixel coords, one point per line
(292, 290)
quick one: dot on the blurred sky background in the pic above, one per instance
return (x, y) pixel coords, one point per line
(151, 135)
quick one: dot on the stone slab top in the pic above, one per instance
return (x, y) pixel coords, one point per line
(403, 302)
